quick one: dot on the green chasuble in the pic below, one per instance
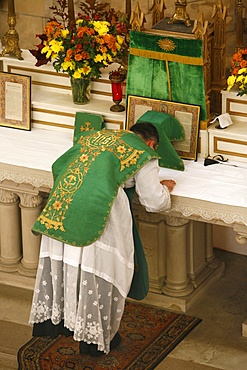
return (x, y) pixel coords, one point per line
(86, 182)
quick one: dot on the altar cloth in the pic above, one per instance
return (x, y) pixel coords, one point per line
(218, 183)
(39, 148)
(36, 149)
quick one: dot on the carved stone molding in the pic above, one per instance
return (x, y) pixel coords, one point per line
(30, 200)
(176, 221)
(8, 197)
(241, 239)
(142, 215)
(241, 236)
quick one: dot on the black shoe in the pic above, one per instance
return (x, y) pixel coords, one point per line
(115, 341)
(84, 348)
(93, 351)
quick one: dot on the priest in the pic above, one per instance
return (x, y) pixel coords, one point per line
(88, 255)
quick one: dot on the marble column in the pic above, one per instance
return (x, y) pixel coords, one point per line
(178, 283)
(209, 243)
(31, 206)
(10, 231)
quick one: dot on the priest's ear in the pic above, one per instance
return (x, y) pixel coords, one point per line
(151, 143)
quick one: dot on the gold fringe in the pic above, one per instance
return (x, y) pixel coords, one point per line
(169, 82)
(167, 57)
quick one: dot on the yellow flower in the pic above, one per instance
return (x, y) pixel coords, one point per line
(98, 58)
(64, 33)
(86, 69)
(120, 39)
(102, 27)
(56, 46)
(77, 74)
(109, 57)
(54, 56)
(239, 78)
(79, 21)
(118, 46)
(242, 70)
(68, 65)
(46, 50)
(230, 82)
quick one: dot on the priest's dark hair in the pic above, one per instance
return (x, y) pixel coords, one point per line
(146, 130)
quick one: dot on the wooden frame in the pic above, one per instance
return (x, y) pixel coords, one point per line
(187, 114)
(15, 106)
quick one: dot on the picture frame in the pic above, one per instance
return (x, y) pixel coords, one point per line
(15, 105)
(187, 114)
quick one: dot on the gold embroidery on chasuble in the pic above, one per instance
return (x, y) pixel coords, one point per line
(92, 146)
(88, 127)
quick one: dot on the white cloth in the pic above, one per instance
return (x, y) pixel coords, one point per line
(224, 120)
(87, 286)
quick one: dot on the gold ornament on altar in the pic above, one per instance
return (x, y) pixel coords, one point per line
(137, 19)
(11, 38)
(180, 14)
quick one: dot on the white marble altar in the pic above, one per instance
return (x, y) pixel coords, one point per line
(178, 243)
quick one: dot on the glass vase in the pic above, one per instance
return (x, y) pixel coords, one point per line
(81, 88)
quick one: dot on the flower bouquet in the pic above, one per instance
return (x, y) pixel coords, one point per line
(238, 77)
(83, 49)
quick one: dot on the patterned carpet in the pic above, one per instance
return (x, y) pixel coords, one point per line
(148, 335)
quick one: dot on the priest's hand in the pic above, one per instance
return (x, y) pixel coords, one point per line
(169, 184)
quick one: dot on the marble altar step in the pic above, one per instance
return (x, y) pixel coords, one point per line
(57, 111)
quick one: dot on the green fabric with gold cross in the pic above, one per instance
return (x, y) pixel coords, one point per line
(86, 182)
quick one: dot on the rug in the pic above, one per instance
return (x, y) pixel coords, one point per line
(148, 334)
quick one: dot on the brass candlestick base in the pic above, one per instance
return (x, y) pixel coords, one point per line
(11, 40)
(180, 14)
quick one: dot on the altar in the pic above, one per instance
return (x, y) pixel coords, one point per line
(178, 244)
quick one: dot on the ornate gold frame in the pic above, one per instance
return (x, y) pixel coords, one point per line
(187, 114)
(15, 105)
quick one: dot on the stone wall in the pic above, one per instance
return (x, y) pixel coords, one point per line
(31, 17)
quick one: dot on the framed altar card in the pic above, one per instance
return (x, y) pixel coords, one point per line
(15, 106)
(188, 116)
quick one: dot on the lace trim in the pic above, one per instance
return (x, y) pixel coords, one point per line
(208, 211)
(91, 307)
(21, 175)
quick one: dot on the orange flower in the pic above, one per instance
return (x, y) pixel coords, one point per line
(69, 53)
(78, 57)
(238, 61)
(235, 71)
(243, 64)
(111, 42)
(53, 29)
(85, 55)
(88, 31)
(103, 49)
